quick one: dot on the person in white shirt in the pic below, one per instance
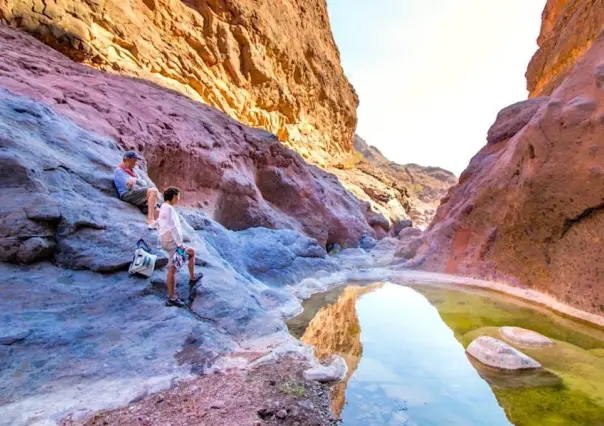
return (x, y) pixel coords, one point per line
(170, 236)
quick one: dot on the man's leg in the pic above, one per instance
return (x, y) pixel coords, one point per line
(193, 277)
(191, 253)
(171, 282)
(152, 194)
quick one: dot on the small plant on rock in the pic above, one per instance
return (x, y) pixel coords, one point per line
(292, 387)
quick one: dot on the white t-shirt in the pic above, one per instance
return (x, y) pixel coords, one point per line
(170, 222)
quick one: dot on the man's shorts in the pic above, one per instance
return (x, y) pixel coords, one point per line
(138, 197)
(168, 244)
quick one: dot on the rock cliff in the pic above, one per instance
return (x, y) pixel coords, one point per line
(66, 239)
(397, 191)
(567, 31)
(242, 177)
(267, 63)
(528, 209)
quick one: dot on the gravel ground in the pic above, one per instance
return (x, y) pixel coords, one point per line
(272, 394)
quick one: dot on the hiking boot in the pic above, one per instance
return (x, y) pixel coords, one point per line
(196, 278)
(175, 302)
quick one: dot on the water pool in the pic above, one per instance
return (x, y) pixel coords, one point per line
(405, 351)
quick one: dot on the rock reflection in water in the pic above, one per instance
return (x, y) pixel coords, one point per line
(335, 329)
(405, 365)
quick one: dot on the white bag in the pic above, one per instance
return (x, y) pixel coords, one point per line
(143, 262)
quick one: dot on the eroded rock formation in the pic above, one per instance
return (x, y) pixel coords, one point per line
(529, 208)
(567, 31)
(398, 192)
(242, 177)
(269, 64)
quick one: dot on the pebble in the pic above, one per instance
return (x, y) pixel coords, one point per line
(282, 414)
(218, 405)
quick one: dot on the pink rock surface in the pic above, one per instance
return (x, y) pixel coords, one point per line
(242, 177)
(529, 210)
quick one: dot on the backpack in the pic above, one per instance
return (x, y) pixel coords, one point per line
(143, 262)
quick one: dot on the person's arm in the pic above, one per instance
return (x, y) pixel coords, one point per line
(176, 233)
(120, 180)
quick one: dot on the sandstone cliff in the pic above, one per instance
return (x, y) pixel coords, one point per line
(267, 63)
(567, 31)
(397, 191)
(529, 207)
(242, 177)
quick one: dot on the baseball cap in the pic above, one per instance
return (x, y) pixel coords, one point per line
(132, 154)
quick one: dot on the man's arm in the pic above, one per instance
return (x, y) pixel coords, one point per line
(120, 179)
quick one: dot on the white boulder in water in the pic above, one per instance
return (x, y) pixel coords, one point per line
(498, 354)
(523, 337)
(334, 372)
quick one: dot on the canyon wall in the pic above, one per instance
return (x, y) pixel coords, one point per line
(240, 176)
(529, 209)
(267, 63)
(568, 28)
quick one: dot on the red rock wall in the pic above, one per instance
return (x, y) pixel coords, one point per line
(269, 64)
(529, 209)
(568, 28)
(242, 177)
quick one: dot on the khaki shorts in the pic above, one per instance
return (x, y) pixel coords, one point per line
(169, 245)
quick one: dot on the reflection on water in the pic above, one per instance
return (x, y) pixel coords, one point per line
(405, 365)
(335, 329)
(404, 348)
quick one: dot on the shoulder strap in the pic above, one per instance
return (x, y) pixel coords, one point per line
(144, 245)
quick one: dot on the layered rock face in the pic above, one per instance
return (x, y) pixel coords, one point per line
(567, 31)
(397, 191)
(242, 177)
(267, 63)
(528, 209)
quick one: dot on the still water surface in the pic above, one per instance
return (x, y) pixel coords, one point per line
(408, 366)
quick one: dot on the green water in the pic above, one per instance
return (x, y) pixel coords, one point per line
(411, 367)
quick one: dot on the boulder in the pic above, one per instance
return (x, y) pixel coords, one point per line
(522, 337)
(408, 248)
(334, 371)
(498, 354)
(400, 225)
(409, 233)
(367, 242)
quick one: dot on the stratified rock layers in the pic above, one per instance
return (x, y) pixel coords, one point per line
(567, 31)
(242, 177)
(267, 63)
(529, 208)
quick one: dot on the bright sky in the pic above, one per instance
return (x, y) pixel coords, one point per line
(432, 75)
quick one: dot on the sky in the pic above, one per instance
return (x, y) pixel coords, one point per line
(432, 75)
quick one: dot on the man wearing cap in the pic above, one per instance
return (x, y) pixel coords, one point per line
(135, 191)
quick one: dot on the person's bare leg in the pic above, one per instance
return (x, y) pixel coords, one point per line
(151, 204)
(191, 253)
(171, 282)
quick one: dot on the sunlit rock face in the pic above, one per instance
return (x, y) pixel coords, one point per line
(268, 63)
(242, 177)
(568, 29)
(528, 209)
(335, 329)
(396, 191)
